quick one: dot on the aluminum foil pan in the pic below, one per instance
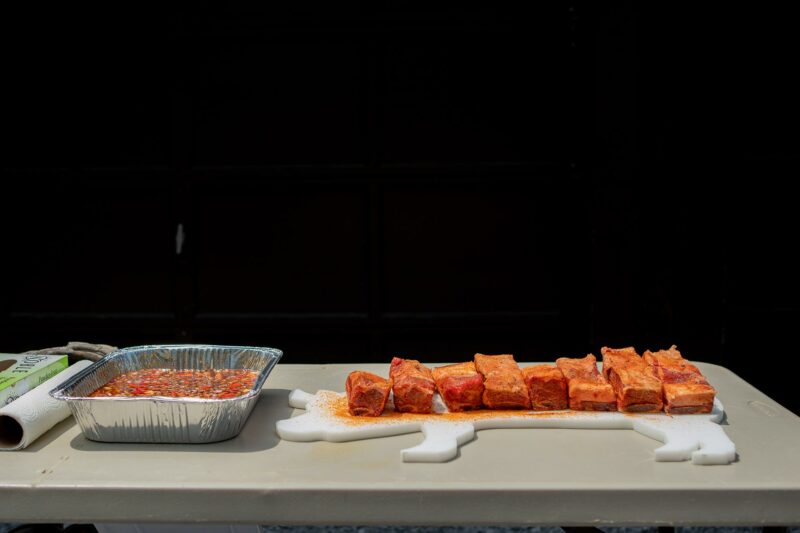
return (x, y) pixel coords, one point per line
(162, 419)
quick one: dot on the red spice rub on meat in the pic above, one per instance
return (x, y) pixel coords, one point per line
(588, 389)
(460, 386)
(413, 386)
(635, 383)
(686, 390)
(547, 387)
(504, 386)
(366, 393)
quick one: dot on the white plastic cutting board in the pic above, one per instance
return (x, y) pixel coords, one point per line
(695, 437)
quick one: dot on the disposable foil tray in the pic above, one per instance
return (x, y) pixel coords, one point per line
(158, 419)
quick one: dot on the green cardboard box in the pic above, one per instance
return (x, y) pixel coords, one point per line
(20, 373)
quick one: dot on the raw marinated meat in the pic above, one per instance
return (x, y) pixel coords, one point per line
(504, 386)
(635, 383)
(686, 390)
(366, 393)
(547, 387)
(588, 389)
(460, 386)
(413, 386)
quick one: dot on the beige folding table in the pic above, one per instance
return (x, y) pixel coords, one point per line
(504, 477)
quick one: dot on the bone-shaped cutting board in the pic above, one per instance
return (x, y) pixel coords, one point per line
(695, 437)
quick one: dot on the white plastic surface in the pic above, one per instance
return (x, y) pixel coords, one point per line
(695, 437)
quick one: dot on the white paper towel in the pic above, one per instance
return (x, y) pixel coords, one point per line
(28, 417)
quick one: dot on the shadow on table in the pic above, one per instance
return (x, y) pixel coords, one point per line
(257, 435)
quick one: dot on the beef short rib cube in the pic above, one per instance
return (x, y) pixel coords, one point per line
(504, 386)
(588, 389)
(366, 393)
(460, 386)
(635, 383)
(547, 387)
(686, 390)
(413, 386)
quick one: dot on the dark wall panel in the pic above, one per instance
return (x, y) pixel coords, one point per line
(467, 247)
(267, 248)
(463, 97)
(100, 245)
(301, 343)
(529, 338)
(71, 106)
(260, 101)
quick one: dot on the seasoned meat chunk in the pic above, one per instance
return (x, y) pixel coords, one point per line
(588, 389)
(413, 386)
(460, 386)
(547, 387)
(504, 386)
(366, 393)
(686, 390)
(635, 383)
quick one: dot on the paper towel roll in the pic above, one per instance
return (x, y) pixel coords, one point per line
(28, 417)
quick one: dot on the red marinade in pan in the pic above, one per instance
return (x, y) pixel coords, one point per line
(213, 384)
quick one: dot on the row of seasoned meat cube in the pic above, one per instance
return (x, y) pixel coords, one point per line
(628, 382)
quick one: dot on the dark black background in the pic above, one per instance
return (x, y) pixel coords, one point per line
(357, 180)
